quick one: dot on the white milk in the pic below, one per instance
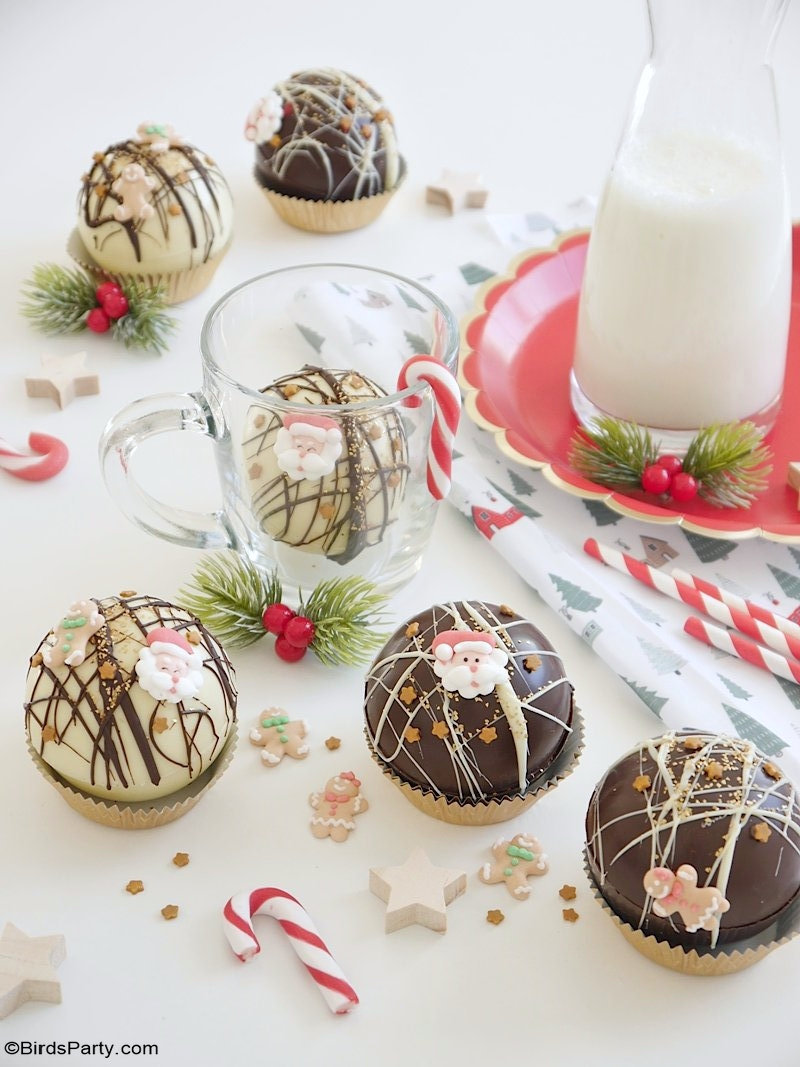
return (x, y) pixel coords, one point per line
(684, 310)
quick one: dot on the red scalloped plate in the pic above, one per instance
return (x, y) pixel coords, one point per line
(515, 367)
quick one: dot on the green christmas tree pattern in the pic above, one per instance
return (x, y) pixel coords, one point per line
(520, 505)
(752, 730)
(473, 273)
(791, 689)
(709, 549)
(789, 583)
(663, 659)
(573, 596)
(314, 339)
(734, 689)
(648, 696)
(418, 345)
(359, 334)
(518, 483)
(644, 612)
(602, 515)
(341, 288)
(795, 555)
(409, 300)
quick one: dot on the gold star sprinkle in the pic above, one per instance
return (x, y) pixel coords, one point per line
(397, 445)
(568, 892)
(772, 771)
(175, 209)
(393, 479)
(332, 743)
(375, 431)
(98, 157)
(100, 190)
(127, 593)
(714, 770)
(412, 629)
(275, 140)
(641, 782)
(37, 659)
(290, 390)
(135, 886)
(259, 421)
(692, 744)
(180, 859)
(48, 733)
(507, 611)
(408, 694)
(761, 832)
(170, 911)
(411, 733)
(193, 637)
(532, 663)
(439, 729)
(327, 511)
(107, 670)
(160, 724)
(570, 915)
(182, 178)
(494, 916)
(255, 470)
(488, 734)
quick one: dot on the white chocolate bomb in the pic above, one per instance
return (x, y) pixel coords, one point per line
(144, 713)
(325, 485)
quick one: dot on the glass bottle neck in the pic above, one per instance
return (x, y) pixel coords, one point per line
(732, 34)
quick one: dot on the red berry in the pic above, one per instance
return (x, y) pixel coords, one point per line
(287, 651)
(673, 464)
(115, 305)
(275, 618)
(299, 631)
(684, 487)
(656, 479)
(102, 291)
(97, 320)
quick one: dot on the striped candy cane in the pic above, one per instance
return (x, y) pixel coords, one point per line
(446, 413)
(238, 913)
(742, 648)
(45, 458)
(724, 612)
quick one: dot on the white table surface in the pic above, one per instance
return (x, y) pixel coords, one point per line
(532, 94)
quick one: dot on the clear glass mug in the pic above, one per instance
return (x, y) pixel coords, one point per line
(316, 492)
(684, 310)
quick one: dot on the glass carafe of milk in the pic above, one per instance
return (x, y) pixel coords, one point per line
(684, 310)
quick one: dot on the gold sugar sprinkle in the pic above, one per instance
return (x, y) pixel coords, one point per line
(180, 859)
(494, 916)
(507, 611)
(134, 886)
(412, 629)
(332, 743)
(641, 782)
(570, 915)
(170, 911)
(568, 892)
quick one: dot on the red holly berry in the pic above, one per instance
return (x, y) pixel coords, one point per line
(97, 320)
(683, 488)
(673, 464)
(102, 291)
(656, 479)
(300, 631)
(287, 651)
(275, 618)
(115, 305)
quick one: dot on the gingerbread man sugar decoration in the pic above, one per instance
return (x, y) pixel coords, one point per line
(700, 907)
(68, 643)
(135, 188)
(514, 862)
(336, 807)
(159, 135)
(277, 736)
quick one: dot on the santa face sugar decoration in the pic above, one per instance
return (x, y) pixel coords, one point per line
(469, 662)
(325, 484)
(144, 708)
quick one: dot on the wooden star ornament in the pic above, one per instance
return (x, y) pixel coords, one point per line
(63, 378)
(27, 968)
(456, 190)
(416, 892)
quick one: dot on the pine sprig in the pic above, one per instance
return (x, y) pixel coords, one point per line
(57, 301)
(730, 463)
(612, 452)
(345, 612)
(228, 594)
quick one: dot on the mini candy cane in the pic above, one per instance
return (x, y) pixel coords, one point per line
(446, 413)
(47, 456)
(338, 993)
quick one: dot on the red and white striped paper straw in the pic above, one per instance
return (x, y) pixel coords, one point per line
(446, 414)
(736, 618)
(741, 647)
(738, 603)
(311, 949)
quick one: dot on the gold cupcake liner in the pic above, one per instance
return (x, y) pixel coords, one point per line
(139, 815)
(178, 285)
(706, 962)
(331, 216)
(487, 812)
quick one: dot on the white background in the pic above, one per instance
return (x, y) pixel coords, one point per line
(532, 94)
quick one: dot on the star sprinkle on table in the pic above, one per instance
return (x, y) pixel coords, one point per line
(27, 968)
(416, 892)
(456, 190)
(63, 378)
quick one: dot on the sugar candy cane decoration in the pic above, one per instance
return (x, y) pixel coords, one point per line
(311, 949)
(737, 619)
(741, 647)
(446, 413)
(738, 603)
(45, 458)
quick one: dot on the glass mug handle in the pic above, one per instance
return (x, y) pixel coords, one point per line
(161, 413)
